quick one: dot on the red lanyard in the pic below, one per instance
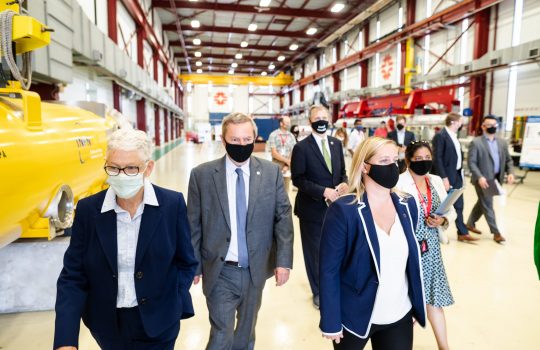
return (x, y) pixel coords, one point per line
(283, 140)
(427, 207)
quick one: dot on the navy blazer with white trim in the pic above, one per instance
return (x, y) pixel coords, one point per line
(350, 264)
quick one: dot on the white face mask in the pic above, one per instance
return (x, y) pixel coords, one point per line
(126, 186)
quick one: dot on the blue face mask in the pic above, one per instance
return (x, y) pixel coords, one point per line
(126, 186)
(359, 128)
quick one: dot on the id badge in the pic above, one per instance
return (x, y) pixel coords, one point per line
(423, 246)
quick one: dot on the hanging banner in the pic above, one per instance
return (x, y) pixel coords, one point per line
(388, 67)
(219, 100)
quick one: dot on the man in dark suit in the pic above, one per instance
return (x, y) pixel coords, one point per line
(448, 164)
(242, 232)
(130, 263)
(318, 170)
(402, 138)
(489, 160)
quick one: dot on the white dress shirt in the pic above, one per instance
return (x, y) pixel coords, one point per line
(127, 232)
(392, 301)
(400, 137)
(457, 146)
(232, 176)
(355, 139)
(318, 138)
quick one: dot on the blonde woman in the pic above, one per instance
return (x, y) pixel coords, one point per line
(370, 272)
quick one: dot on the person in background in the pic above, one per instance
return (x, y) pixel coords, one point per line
(295, 130)
(318, 170)
(126, 242)
(402, 138)
(381, 131)
(341, 135)
(448, 164)
(370, 270)
(281, 143)
(242, 233)
(428, 191)
(356, 137)
(489, 160)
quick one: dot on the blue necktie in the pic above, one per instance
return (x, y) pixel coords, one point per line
(241, 216)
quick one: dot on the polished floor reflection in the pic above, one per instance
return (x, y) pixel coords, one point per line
(496, 287)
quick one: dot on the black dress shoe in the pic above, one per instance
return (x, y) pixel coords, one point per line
(316, 301)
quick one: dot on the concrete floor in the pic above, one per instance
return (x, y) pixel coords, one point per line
(496, 287)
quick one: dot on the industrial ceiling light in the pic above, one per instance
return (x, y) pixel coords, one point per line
(231, 71)
(263, 74)
(243, 44)
(252, 27)
(198, 54)
(198, 63)
(192, 0)
(271, 66)
(195, 24)
(293, 47)
(281, 58)
(238, 56)
(234, 64)
(196, 41)
(338, 6)
(199, 71)
(264, 3)
(311, 31)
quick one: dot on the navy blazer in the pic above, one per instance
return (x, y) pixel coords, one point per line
(409, 137)
(445, 157)
(311, 175)
(350, 264)
(164, 264)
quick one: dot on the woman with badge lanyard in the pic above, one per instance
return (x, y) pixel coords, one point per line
(429, 192)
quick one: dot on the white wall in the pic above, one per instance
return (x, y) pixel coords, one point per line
(87, 87)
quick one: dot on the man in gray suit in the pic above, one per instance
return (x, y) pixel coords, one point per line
(489, 160)
(242, 233)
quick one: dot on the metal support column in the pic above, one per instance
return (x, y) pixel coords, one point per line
(112, 28)
(477, 94)
(141, 104)
(337, 84)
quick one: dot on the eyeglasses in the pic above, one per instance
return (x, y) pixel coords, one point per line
(115, 171)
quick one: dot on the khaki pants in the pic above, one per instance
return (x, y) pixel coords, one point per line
(287, 179)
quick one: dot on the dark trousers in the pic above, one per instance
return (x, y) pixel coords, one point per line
(483, 206)
(310, 233)
(233, 297)
(458, 206)
(132, 336)
(394, 336)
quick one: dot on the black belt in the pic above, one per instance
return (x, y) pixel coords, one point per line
(232, 263)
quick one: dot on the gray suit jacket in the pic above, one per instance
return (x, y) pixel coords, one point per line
(269, 220)
(481, 163)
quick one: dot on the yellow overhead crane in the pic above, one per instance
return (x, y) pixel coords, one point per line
(281, 79)
(51, 155)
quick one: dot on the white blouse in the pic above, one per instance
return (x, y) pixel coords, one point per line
(392, 301)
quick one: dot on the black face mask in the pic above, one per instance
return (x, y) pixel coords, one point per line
(491, 130)
(385, 175)
(400, 126)
(320, 126)
(421, 167)
(239, 153)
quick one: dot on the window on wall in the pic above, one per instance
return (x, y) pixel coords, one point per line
(346, 50)
(360, 40)
(323, 60)
(334, 54)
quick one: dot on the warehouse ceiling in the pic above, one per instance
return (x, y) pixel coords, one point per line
(250, 36)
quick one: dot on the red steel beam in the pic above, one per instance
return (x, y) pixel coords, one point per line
(477, 92)
(216, 29)
(431, 24)
(323, 13)
(112, 26)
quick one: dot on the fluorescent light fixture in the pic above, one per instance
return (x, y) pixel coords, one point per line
(264, 3)
(293, 47)
(196, 41)
(252, 27)
(311, 31)
(244, 44)
(338, 6)
(198, 63)
(281, 58)
(234, 64)
(238, 56)
(199, 71)
(195, 24)
(263, 74)
(192, 0)
(231, 71)
(271, 66)
(198, 54)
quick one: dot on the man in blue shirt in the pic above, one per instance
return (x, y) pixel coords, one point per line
(489, 161)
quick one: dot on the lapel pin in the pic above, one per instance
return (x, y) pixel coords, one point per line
(332, 143)
(258, 173)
